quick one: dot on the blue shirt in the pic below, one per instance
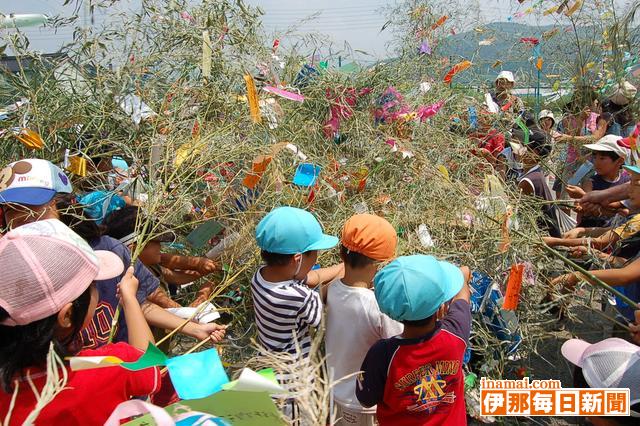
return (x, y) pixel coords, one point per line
(96, 334)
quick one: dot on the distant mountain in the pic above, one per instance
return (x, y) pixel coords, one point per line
(502, 41)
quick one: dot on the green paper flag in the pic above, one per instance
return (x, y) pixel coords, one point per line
(203, 233)
(152, 357)
(238, 408)
(524, 128)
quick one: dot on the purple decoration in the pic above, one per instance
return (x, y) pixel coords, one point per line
(425, 48)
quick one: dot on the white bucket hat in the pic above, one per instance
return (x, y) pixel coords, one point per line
(507, 75)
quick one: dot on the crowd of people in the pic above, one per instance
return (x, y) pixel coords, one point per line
(395, 326)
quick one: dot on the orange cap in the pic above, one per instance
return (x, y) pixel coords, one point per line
(370, 235)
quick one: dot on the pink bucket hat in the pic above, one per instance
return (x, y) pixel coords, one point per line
(45, 266)
(611, 363)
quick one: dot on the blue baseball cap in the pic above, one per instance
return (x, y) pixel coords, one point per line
(412, 288)
(288, 230)
(32, 182)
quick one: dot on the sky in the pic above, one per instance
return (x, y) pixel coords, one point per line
(356, 22)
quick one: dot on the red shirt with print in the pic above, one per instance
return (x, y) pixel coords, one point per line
(419, 381)
(89, 397)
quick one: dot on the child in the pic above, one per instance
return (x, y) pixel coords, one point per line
(417, 378)
(610, 363)
(533, 181)
(608, 158)
(367, 241)
(97, 332)
(121, 225)
(284, 306)
(28, 191)
(53, 270)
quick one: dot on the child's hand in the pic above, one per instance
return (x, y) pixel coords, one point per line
(575, 191)
(579, 251)
(574, 233)
(128, 286)
(212, 331)
(207, 266)
(466, 273)
(550, 241)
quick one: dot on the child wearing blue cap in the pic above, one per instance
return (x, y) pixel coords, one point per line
(284, 305)
(416, 378)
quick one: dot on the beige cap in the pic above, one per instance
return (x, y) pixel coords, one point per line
(507, 75)
(545, 113)
(623, 93)
(609, 143)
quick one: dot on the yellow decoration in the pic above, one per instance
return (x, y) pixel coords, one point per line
(188, 151)
(573, 9)
(252, 95)
(206, 54)
(77, 165)
(29, 138)
(444, 172)
(550, 11)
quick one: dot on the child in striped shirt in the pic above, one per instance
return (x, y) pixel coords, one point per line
(284, 304)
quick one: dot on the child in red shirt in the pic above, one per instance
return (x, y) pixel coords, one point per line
(416, 378)
(46, 298)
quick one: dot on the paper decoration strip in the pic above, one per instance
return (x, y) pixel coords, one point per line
(251, 381)
(252, 96)
(77, 165)
(206, 54)
(306, 174)
(425, 48)
(439, 22)
(444, 172)
(461, 66)
(78, 363)
(539, 63)
(258, 167)
(237, 408)
(573, 9)
(524, 129)
(207, 315)
(550, 11)
(152, 357)
(505, 243)
(197, 375)
(28, 138)
(284, 93)
(514, 287)
(204, 232)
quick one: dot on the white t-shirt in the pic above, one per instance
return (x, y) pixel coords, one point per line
(354, 323)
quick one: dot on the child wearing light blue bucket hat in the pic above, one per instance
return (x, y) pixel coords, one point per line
(417, 378)
(284, 304)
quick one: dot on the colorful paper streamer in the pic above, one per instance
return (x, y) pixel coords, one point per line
(252, 97)
(514, 287)
(284, 93)
(459, 67)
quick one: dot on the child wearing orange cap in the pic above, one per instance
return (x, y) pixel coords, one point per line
(367, 241)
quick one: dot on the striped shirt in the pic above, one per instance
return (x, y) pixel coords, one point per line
(284, 312)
